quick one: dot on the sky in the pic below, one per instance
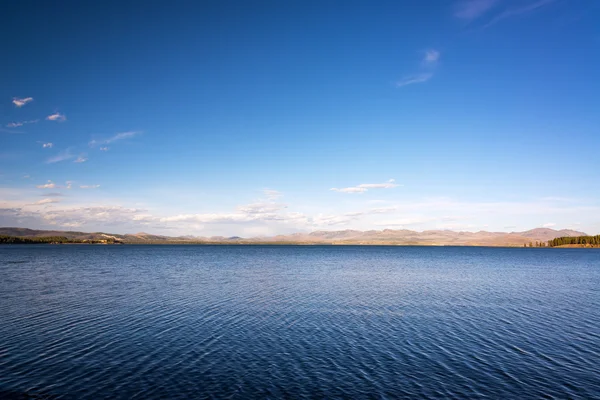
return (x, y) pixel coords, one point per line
(271, 117)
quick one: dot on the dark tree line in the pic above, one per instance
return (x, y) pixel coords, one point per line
(51, 240)
(580, 240)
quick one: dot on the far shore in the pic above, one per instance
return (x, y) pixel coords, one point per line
(241, 243)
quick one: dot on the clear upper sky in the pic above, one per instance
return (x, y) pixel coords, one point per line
(261, 117)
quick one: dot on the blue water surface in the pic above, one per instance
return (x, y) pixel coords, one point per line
(240, 322)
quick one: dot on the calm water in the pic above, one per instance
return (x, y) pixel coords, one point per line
(299, 322)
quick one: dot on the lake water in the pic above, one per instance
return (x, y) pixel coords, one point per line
(149, 322)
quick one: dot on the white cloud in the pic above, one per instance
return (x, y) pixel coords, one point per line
(20, 102)
(273, 217)
(472, 9)
(47, 145)
(330, 220)
(81, 159)
(261, 208)
(62, 156)
(103, 148)
(118, 136)
(49, 185)
(383, 210)
(363, 187)
(21, 123)
(350, 190)
(407, 221)
(73, 224)
(46, 201)
(516, 11)
(56, 117)
(549, 225)
(428, 65)
(89, 186)
(272, 194)
(410, 80)
(431, 56)
(121, 136)
(52, 185)
(386, 185)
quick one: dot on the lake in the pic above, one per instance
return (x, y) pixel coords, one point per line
(240, 322)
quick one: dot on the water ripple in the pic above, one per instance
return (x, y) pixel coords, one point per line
(298, 322)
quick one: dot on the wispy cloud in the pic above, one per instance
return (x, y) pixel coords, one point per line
(549, 225)
(57, 117)
(472, 9)
(409, 221)
(62, 156)
(386, 185)
(428, 66)
(112, 139)
(47, 145)
(431, 57)
(49, 185)
(89, 186)
(349, 190)
(272, 194)
(363, 187)
(46, 201)
(122, 135)
(9, 131)
(516, 11)
(21, 123)
(104, 148)
(21, 101)
(432, 213)
(81, 159)
(409, 80)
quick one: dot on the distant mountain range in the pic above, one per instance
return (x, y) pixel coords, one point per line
(382, 237)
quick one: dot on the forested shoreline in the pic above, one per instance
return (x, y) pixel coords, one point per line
(572, 241)
(4, 239)
(583, 241)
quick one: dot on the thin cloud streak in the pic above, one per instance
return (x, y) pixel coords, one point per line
(431, 57)
(272, 194)
(62, 156)
(349, 190)
(410, 80)
(515, 11)
(473, 9)
(49, 185)
(46, 201)
(21, 123)
(112, 139)
(20, 102)
(57, 117)
(363, 187)
(386, 185)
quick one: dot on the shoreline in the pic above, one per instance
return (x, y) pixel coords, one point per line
(515, 246)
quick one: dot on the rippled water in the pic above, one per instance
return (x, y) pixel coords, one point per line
(298, 322)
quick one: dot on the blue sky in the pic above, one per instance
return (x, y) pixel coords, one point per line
(241, 118)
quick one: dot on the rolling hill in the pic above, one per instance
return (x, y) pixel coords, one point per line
(344, 237)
